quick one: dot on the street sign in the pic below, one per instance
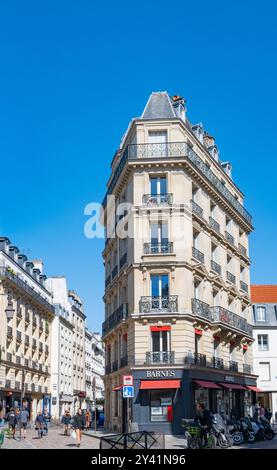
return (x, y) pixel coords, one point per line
(128, 391)
(128, 380)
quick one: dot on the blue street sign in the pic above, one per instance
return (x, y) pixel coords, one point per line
(128, 391)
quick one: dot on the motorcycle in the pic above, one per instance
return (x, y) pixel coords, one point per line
(267, 429)
(234, 429)
(247, 430)
(221, 432)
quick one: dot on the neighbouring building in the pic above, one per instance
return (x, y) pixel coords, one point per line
(95, 368)
(62, 349)
(79, 371)
(26, 316)
(177, 306)
(264, 300)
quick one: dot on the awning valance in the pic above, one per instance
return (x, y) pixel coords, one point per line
(119, 387)
(159, 384)
(206, 384)
(254, 389)
(233, 386)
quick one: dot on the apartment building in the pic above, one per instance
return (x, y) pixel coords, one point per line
(177, 305)
(26, 316)
(264, 300)
(79, 371)
(62, 349)
(95, 368)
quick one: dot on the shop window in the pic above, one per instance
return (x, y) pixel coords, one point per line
(161, 405)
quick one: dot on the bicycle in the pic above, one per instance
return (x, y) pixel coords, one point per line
(195, 438)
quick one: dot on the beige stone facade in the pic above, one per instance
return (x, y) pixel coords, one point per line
(177, 288)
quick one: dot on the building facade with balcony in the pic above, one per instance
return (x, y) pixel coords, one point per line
(95, 368)
(177, 305)
(264, 300)
(26, 316)
(62, 349)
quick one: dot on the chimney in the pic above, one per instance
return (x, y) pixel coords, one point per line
(179, 104)
(4, 244)
(38, 264)
(22, 259)
(13, 251)
(227, 167)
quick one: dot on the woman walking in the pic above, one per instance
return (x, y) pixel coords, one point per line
(88, 419)
(78, 424)
(66, 418)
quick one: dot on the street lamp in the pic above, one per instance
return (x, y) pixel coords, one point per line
(10, 311)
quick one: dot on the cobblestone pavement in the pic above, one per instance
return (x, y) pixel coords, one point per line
(54, 440)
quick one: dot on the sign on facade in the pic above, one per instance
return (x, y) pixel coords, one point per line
(128, 380)
(128, 392)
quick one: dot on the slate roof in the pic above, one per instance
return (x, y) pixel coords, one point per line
(159, 106)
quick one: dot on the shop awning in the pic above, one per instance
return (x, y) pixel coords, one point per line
(254, 389)
(206, 384)
(119, 387)
(159, 384)
(233, 386)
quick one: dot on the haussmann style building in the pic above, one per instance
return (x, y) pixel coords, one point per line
(177, 305)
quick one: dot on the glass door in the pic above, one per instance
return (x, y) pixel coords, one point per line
(159, 291)
(157, 144)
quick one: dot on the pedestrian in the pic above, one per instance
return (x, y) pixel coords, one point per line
(204, 417)
(47, 419)
(66, 418)
(23, 421)
(12, 419)
(268, 414)
(40, 423)
(78, 424)
(88, 419)
(261, 410)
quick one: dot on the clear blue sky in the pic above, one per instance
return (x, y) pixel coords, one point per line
(73, 73)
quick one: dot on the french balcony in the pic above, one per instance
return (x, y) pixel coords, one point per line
(231, 277)
(9, 332)
(242, 249)
(123, 261)
(159, 304)
(243, 286)
(107, 281)
(196, 209)
(198, 255)
(246, 368)
(124, 361)
(114, 272)
(229, 238)
(160, 357)
(157, 199)
(115, 366)
(158, 248)
(221, 315)
(215, 267)
(196, 359)
(120, 314)
(214, 224)
(233, 366)
(218, 363)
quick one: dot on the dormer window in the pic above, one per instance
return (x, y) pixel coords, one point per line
(260, 314)
(199, 132)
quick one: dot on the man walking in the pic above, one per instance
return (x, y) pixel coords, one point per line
(23, 421)
(12, 420)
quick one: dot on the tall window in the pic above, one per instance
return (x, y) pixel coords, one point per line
(159, 236)
(160, 341)
(158, 143)
(196, 289)
(159, 285)
(263, 342)
(216, 347)
(260, 314)
(264, 370)
(158, 186)
(232, 352)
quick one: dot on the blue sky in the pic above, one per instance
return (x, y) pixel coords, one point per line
(72, 74)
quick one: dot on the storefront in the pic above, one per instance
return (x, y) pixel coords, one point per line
(164, 396)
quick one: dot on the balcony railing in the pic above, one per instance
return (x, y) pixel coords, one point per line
(198, 255)
(179, 150)
(218, 363)
(233, 366)
(123, 260)
(155, 248)
(231, 278)
(196, 359)
(242, 249)
(214, 224)
(229, 237)
(221, 315)
(161, 304)
(247, 368)
(215, 267)
(120, 314)
(160, 357)
(124, 361)
(4, 272)
(114, 271)
(107, 281)
(157, 199)
(243, 286)
(196, 209)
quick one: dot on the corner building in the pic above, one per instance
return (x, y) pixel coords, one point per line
(177, 305)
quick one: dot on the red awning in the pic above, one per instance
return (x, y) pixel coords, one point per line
(206, 384)
(254, 389)
(119, 387)
(158, 384)
(233, 386)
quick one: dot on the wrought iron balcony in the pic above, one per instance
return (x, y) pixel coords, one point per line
(229, 237)
(247, 368)
(215, 267)
(231, 278)
(214, 224)
(233, 366)
(4, 272)
(218, 363)
(121, 313)
(198, 255)
(160, 304)
(123, 260)
(179, 150)
(242, 249)
(114, 271)
(196, 359)
(157, 199)
(160, 357)
(243, 286)
(158, 248)
(221, 315)
(124, 361)
(196, 209)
